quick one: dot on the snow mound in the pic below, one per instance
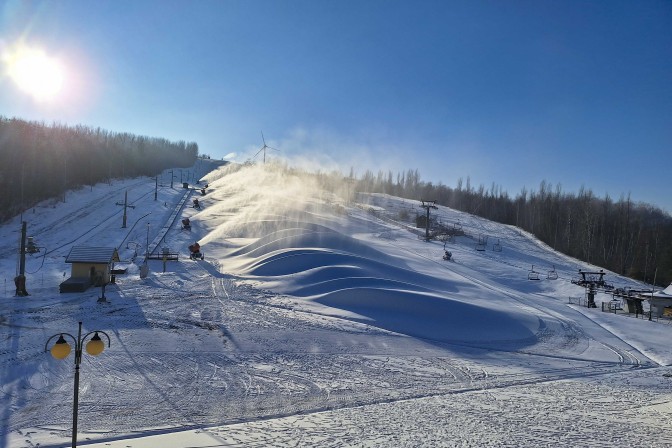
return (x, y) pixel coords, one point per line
(426, 315)
(324, 267)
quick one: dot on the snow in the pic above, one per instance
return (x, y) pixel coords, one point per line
(314, 321)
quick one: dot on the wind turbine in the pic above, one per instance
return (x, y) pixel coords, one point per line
(263, 148)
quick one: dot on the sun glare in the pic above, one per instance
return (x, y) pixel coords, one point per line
(35, 73)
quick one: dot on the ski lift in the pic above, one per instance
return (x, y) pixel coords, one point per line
(552, 274)
(533, 275)
(497, 247)
(482, 242)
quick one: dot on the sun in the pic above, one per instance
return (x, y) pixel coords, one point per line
(35, 73)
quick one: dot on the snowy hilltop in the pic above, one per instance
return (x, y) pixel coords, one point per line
(317, 317)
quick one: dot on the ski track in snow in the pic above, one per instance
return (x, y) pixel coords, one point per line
(210, 347)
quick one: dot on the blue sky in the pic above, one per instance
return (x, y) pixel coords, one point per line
(504, 92)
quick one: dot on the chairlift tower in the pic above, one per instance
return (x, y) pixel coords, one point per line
(427, 205)
(592, 282)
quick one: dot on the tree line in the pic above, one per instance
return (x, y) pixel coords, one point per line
(39, 161)
(631, 238)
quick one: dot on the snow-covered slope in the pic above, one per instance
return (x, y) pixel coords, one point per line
(314, 321)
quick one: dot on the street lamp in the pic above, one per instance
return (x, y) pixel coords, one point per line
(61, 349)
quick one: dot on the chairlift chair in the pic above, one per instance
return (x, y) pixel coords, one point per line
(552, 274)
(497, 247)
(482, 242)
(533, 275)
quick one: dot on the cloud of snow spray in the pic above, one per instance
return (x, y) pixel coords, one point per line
(252, 200)
(308, 173)
(324, 150)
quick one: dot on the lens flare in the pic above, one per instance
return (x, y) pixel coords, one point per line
(35, 73)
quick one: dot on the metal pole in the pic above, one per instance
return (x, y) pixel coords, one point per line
(171, 178)
(65, 176)
(75, 401)
(156, 186)
(22, 262)
(125, 203)
(653, 286)
(23, 167)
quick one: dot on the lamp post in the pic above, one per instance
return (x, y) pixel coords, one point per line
(61, 349)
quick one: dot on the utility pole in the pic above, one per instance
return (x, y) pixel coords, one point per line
(171, 178)
(23, 167)
(144, 269)
(147, 247)
(427, 205)
(125, 204)
(156, 186)
(20, 280)
(65, 177)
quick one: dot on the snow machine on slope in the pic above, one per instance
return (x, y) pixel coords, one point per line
(195, 252)
(186, 224)
(447, 255)
(197, 205)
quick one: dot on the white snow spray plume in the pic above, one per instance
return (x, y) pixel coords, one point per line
(324, 150)
(278, 197)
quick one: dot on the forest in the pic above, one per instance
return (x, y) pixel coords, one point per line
(39, 161)
(624, 236)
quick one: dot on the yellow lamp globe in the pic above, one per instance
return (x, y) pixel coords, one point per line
(95, 346)
(61, 349)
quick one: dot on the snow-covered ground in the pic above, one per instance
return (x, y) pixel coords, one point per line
(315, 321)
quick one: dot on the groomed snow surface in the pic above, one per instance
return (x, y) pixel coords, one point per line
(316, 321)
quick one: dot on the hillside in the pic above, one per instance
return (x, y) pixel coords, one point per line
(317, 321)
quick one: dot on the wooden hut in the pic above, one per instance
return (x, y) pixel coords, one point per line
(90, 266)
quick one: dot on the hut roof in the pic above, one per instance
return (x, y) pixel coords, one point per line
(86, 254)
